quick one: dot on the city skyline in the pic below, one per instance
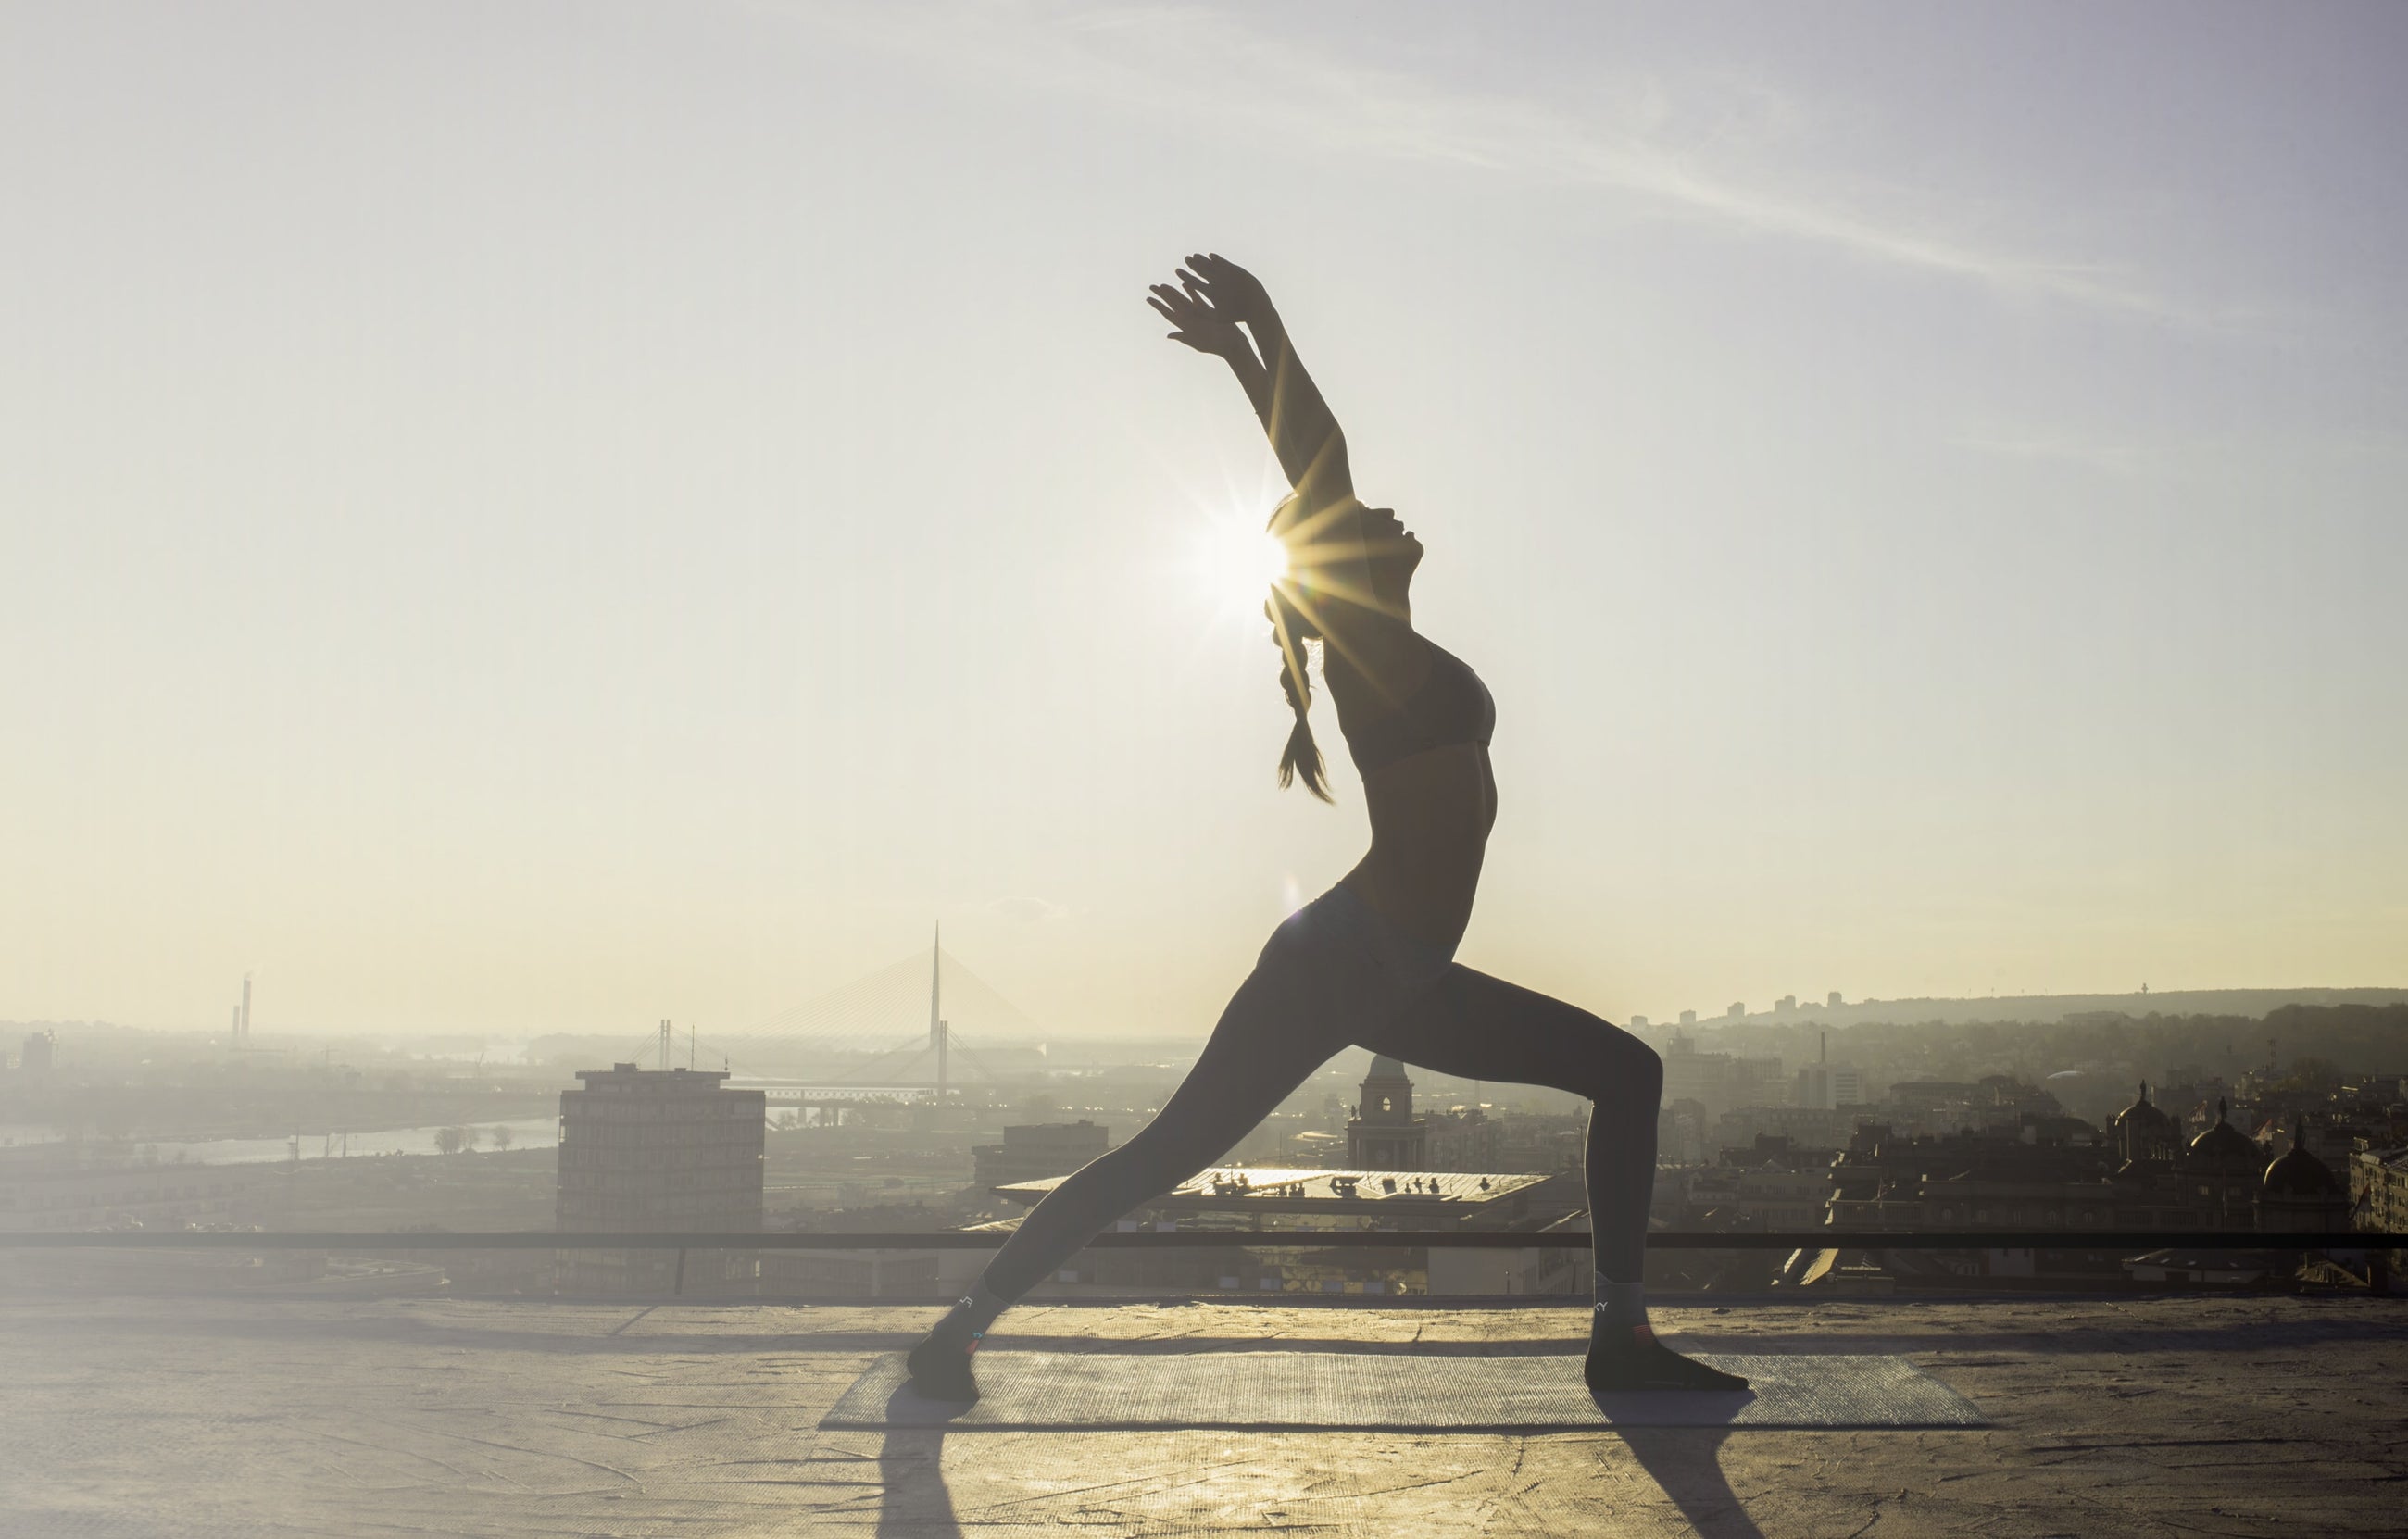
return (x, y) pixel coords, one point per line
(529, 521)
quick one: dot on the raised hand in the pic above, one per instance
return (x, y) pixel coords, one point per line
(1233, 291)
(1220, 308)
(1200, 324)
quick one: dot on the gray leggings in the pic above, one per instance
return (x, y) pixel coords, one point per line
(1336, 974)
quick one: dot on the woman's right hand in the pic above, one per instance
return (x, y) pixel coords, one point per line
(1234, 291)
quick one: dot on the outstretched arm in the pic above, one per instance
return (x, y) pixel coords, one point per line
(1215, 298)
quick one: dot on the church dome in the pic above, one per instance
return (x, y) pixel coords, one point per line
(2141, 1114)
(2224, 1142)
(1385, 1067)
(2299, 1173)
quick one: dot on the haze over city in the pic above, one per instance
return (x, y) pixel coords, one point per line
(539, 518)
(1383, 769)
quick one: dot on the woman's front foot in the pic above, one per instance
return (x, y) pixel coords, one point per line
(1623, 1357)
(940, 1364)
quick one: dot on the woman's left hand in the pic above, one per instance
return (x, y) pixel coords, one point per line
(1200, 326)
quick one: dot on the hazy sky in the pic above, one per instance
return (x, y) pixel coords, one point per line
(530, 518)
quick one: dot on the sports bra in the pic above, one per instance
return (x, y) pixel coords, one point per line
(1452, 707)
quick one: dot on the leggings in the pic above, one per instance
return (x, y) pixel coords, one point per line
(1337, 974)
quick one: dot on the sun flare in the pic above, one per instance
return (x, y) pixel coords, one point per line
(1235, 564)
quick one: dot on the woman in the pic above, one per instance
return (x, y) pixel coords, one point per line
(1370, 962)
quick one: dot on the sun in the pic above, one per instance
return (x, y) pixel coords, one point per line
(1237, 564)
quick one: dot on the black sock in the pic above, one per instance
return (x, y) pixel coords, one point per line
(941, 1362)
(1624, 1354)
(971, 1314)
(1623, 1303)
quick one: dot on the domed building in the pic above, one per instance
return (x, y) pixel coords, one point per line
(2224, 1144)
(2299, 1193)
(2221, 1170)
(2144, 1133)
(2210, 1183)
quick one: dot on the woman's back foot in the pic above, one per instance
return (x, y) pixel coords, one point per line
(1627, 1358)
(941, 1369)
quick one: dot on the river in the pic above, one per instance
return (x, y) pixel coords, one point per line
(527, 1132)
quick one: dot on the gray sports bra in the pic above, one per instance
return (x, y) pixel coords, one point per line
(1452, 707)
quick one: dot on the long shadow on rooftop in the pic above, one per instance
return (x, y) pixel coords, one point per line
(913, 1501)
(1686, 1463)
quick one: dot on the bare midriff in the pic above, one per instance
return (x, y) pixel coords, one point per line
(1430, 816)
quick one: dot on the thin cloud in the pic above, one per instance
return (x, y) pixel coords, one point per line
(2089, 454)
(2218, 459)
(1028, 910)
(1192, 63)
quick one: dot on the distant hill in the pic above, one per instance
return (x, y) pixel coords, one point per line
(2251, 1003)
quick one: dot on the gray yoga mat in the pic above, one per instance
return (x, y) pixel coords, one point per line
(1345, 1392)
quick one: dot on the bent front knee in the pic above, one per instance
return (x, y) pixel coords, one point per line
(1626, 1073)
(1645, 1072)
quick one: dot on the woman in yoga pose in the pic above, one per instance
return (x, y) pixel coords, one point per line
(1370, 963)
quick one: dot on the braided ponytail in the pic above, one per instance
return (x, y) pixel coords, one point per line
(1302, 758)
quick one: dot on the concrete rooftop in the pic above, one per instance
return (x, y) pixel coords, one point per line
(262, 1416)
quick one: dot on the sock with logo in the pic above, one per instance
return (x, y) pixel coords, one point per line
(1624, 1353)
(940, 1364)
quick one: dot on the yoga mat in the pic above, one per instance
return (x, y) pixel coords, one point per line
(1347, 1392)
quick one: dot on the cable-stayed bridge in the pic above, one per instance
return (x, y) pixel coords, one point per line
(885, 1039)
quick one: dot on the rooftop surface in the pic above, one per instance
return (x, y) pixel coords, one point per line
(263, 1416)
